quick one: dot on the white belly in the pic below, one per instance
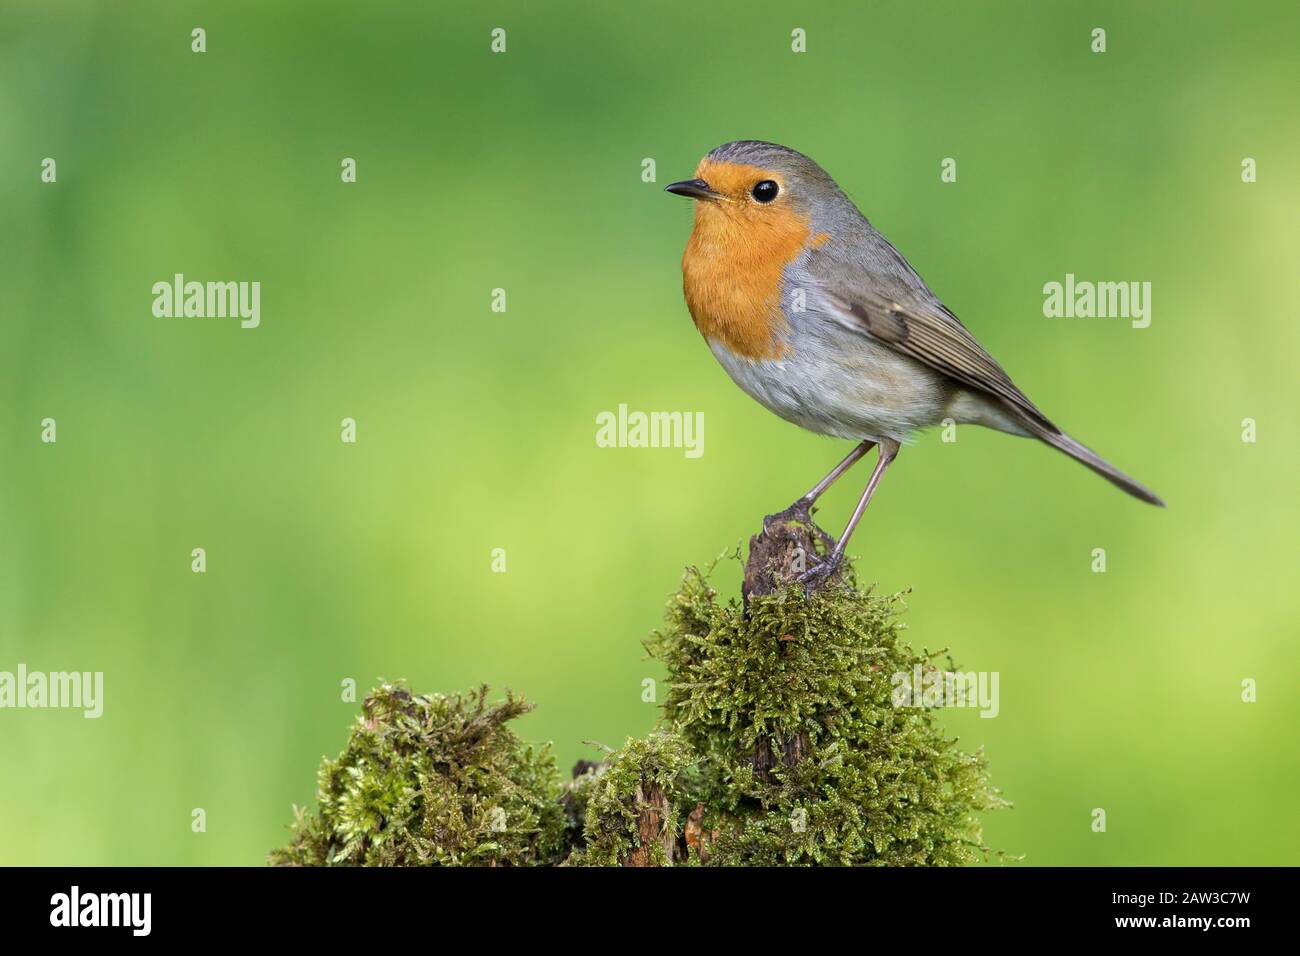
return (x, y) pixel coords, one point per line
(835, 382)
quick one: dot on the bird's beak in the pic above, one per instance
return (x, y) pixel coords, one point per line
(692, 189)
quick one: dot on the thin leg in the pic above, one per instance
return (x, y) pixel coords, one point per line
(801, 510)
(818, 574)
(849, 461)
(888, 452)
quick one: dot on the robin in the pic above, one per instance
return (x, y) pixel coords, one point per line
(815, 315)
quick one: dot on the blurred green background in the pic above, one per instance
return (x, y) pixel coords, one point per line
(476, 430)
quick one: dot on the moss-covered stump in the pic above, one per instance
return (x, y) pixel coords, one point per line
(636, 805)
(779, 744)
(801, 755)
(789, 544)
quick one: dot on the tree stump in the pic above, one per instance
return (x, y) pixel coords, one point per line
(654, 814)
(788, 545)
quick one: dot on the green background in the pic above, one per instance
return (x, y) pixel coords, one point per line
(329, 561)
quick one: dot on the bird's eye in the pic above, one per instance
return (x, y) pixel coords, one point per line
(765, 191)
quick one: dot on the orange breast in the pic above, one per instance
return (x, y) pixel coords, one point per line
(732, 271)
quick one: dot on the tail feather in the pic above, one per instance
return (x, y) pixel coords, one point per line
(1087, 456)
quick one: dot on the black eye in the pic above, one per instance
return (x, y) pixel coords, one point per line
(765, 191)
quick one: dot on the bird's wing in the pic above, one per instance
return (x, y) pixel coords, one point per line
(894, 306)
(885, 299)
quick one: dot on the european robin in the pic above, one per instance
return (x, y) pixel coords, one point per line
(815, 315)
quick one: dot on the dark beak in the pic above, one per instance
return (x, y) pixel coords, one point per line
(693, 189)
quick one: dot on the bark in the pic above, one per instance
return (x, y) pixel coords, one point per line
(654, 811)
(788, 545)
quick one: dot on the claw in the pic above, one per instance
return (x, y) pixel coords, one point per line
(816, 577)
(799, 511)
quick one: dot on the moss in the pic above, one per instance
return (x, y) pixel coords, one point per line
(575, 794)
(636, 805)
(779, 744)
(806, 760)
(434, 780)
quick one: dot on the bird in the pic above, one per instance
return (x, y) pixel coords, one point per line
(815, 315)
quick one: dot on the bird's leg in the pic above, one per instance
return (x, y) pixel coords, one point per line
(815, 576)
(851, 459)
(802, 508)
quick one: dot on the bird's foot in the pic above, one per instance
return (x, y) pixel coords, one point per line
(800, 511)
(816, 577)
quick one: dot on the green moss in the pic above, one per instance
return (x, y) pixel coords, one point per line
(435, 780)
(644, 781)
(575, 794)
(779, 744)
(802, 755)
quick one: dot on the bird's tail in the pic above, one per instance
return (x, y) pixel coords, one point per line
(1060, 440)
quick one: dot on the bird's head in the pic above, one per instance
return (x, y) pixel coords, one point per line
(758, 208)
(760, 186)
